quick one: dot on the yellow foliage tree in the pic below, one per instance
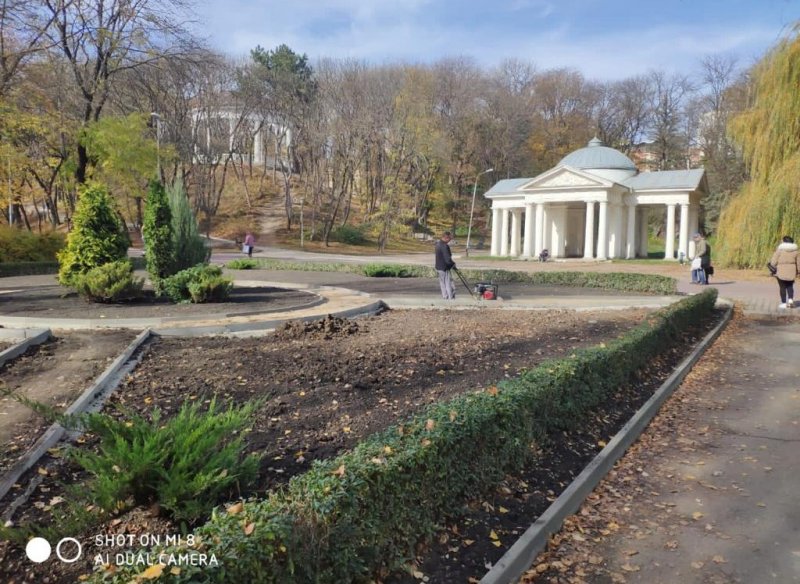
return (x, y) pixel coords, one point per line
(768, 206)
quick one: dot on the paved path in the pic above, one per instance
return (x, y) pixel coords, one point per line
(709, 494)
(755, 291)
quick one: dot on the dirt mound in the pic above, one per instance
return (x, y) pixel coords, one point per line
(326, 328)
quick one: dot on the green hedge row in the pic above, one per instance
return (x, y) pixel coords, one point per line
(627, 282)
(364, 511)
(39, 268)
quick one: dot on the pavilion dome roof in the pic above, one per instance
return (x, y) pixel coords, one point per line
(598, 156)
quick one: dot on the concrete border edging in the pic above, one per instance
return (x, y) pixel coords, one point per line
(14, 351)
(56, 431)
(522, 554)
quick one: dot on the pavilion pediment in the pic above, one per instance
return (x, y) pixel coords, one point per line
(566, 177)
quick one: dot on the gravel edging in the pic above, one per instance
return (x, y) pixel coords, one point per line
(510, 568)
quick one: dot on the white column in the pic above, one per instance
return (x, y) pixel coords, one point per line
(630, 238)
(527, 242)
(504, 234)
(683, 237)
(602, 232)
(231, 127)
(588, 238)
(643, 231)
(258, 148)
(694, 225)
(539, 246)
(516, 228)
(496, 226)
(669, 249)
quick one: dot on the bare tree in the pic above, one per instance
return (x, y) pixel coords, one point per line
(671, 94)
(101, 39)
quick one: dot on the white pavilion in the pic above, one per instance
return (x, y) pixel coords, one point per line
(594, 205)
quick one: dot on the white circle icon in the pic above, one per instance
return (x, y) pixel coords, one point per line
(38, 550)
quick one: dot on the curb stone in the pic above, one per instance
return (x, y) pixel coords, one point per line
(38, 337)
(518, 559)
(92, 395)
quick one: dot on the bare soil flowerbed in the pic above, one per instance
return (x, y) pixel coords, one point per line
(58, 302)
(327, 385)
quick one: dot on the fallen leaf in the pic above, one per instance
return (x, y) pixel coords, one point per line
(175, 571)
(152, 572)
(249, 528)
(697, 515)
(339, 471)
(719, 560)
(697, 565)
(430, 425)
(630, 567)
(468, 542)
(492, 390)
(236, 508)
(502, 510)
(493, 535)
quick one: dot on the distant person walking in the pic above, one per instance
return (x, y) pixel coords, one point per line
(702, 252)
(785, 266)
(445, 263)
(249, 243)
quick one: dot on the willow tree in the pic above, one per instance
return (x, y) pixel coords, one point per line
(768, 206)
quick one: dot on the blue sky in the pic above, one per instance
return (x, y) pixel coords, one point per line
(604, 39)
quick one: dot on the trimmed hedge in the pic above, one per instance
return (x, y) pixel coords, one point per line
(43, 268)
(647, 283)
(351, 516)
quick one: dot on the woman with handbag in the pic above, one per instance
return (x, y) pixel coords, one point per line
(786, 265)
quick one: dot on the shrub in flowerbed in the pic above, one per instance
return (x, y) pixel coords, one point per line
(185, 463)
(363, 512)
(242, 264)
(112, 282)
(387, 271)
(201, 283)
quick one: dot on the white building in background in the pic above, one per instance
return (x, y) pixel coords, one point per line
(226, 130)
(594, 205)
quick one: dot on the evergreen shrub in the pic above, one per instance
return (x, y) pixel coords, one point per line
(98, 235)
(188, 246)
(157, 232)
(201, 283)
(186, 463)
(112, 282)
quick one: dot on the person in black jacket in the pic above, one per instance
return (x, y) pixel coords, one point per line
(445, 263)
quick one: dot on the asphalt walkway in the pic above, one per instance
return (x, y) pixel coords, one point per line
(708, 495)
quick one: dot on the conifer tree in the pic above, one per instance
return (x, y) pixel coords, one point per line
(98, 235)
(157, 233)
(187, 244)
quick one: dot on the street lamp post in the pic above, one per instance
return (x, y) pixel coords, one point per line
(157, 118)
(472, 208)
